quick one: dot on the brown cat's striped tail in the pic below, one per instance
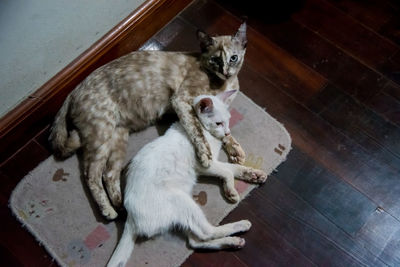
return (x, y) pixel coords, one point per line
(64, 143)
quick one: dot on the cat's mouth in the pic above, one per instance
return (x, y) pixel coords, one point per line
(223, 76)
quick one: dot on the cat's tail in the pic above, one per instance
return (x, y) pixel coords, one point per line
(64, 143)
(125, 246)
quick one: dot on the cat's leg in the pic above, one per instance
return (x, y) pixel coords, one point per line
(233, 150)
(246, 173)
(111, 176)
(226, 174)
(202, 233)
(97, 133)
(216, 244)
(94, 165)
(188, 119)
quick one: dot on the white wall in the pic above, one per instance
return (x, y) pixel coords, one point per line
(40, 37)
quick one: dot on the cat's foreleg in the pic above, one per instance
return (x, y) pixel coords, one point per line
(233, 150)
(111, 176)
(193, 128)
(246, 173)
(218, 169)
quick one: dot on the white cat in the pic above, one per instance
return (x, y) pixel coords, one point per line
(160, 179)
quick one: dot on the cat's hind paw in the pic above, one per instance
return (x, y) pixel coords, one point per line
(237, 242)
(242, 226)
(254, 176)
(232, 196)
(109, 213)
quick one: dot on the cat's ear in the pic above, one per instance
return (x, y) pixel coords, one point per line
(227, 96)
(205, 40)
(241, 35)
(205, 105)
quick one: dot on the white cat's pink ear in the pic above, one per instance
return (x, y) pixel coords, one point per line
(241, 35)
(205, 105)
(227, 96)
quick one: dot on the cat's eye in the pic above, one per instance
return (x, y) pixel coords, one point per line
(219, 123)
(233, 59)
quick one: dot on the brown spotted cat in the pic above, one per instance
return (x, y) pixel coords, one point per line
(130, 93)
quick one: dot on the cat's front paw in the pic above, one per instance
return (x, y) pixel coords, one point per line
(235, 152)
(205, 161)
(238, 158)
(205, 157)
(254, 176)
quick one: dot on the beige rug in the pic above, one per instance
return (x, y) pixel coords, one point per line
(54, 205)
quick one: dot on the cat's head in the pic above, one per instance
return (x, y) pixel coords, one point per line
(213, 112)
(223, 55)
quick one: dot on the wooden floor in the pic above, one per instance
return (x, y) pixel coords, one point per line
(329, 70)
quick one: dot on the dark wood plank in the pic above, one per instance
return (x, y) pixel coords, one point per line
(178, 36)
(309, 132)
(294, 206)
(371, 13)
(266, 247)
(392, 248)
(8, 258)
(374, 133)
(7, 186)
(393, 90)
(391, 68)
(311, 243)
(338, 201)
(386, 105)
(276, 64)
(20, 242)
(352, 37)
(10, 144)
(378, 234)
(42, 138)
(391, 28)
(330, 148)
(213, 259)
(348, 74)
(24, 161)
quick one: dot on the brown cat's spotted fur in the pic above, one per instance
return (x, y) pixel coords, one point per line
(133, 91)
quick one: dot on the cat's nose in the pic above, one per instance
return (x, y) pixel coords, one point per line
(227, 133)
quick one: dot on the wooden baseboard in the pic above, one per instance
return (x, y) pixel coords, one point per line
(38, 110)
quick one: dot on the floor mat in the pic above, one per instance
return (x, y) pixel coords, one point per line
(55, 205)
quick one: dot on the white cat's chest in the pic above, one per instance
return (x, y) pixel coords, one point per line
(215, 144)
